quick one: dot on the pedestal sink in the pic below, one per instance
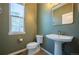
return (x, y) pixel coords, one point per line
(58, 40)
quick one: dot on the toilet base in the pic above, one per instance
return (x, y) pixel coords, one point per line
(33, 51)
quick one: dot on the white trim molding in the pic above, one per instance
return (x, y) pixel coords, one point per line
(19, 51)
(46, 51)
(16, 52)
(10, 20)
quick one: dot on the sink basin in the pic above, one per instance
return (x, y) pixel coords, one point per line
(58, 40)
(62, 38)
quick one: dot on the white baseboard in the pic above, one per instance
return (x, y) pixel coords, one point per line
(16, 52)
(46, 51)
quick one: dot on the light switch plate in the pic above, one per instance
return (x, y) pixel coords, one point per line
(0, 10)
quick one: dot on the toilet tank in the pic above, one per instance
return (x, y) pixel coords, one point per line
(39, 38)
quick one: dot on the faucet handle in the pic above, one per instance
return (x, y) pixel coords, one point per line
(59, 32)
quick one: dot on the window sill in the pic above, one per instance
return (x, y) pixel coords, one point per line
(16, 33)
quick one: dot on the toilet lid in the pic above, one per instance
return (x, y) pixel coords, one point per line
(32, 45)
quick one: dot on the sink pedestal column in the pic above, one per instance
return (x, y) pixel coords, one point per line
(58, 48)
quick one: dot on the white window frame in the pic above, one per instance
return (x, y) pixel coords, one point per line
(10, 24)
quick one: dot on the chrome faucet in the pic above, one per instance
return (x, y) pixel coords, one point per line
(59, 32)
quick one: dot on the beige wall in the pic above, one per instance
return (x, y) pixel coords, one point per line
(31, 17)
(1, 30)
(10, 42)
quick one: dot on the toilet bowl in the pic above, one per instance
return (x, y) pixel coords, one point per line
(34, 47)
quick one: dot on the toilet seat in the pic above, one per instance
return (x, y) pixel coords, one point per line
(32, 45)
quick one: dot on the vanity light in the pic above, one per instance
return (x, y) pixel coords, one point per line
(50, 5)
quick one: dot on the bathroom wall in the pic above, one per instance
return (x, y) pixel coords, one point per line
(0, 31)
(9, 43)
(45, 26)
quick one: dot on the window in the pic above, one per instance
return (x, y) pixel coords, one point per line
(16, 20)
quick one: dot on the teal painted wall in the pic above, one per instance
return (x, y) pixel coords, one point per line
(45, 26)
(9, 43)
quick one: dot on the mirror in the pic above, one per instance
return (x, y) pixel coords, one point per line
(62, 14)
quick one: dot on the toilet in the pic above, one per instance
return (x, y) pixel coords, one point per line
(34, 47)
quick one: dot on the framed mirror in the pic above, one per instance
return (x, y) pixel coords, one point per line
(62, 14)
